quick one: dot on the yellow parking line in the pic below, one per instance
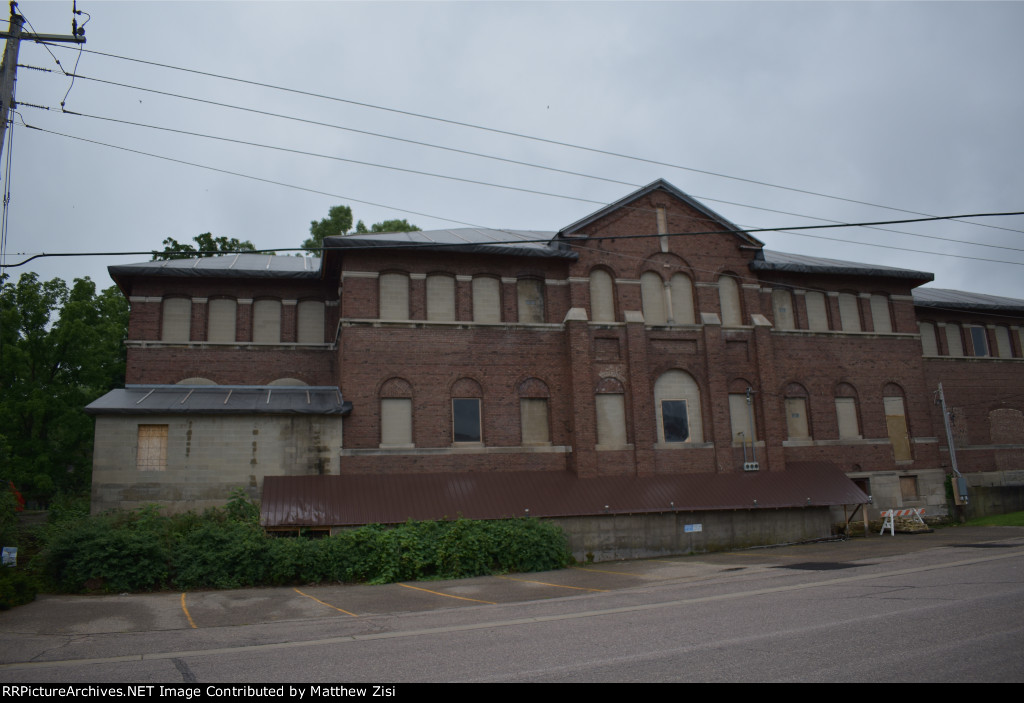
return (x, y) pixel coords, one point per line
(322, 603)
(190, 620)
(599, 571)
(438, 593)
(556, 585)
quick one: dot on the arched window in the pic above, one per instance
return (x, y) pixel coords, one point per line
(177, 320)
(533, 411)
(677, 407)
(394, 296)
(817, 311)
(1003, 347)
(440, 297)
(310, 322)
(652, 292)
(602, 296)
(742, 412)
(929, 347)
(849, 312)
(221, 324)
(266, 322)
(782, 308)
(610, 402)
(881, 316)
(486, 299)
(797, 421)
(467, 413)
(682, 299)
(530, 293)
(729, 298)
(396, 413)
(954, 342)
(896, 422)
(847, 414)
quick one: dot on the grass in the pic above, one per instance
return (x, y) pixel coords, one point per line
(1007, 520)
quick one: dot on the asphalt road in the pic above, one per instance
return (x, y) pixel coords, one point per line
(945, 606)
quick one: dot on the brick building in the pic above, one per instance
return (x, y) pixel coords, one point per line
(649, 359)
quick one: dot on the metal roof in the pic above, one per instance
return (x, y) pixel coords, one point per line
(361, 499)
(230, 266)
(962, 300)
(474, 240)
(218, 400)
(799, 263)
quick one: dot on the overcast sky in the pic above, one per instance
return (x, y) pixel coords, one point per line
(916, 106)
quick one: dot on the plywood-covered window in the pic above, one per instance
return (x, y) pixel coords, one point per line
(394, 296)
(677, 408)
(881, 316)
(177, 320)
(533, 411)
(817, 312)
(729, 297)
(681, 288)
(896, 424)
(310, 321)
(440, 298)
(652, 293)
(266, 322)
(782, 307)
(849, 312)
(1003, 347)
(954, 342)
(847, 415)
(929, 346)
(221, 323)
(396, 422)
(602, 296)
(741, 417)
(611, 419)
(797, 423)
(486, 299)
(530, 294)
(152, 448)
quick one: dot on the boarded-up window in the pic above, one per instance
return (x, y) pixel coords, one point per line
(394, 296)
(152, 448)
(466, 419)
(440, 298)
(782, 307)
(817, 313)
(602, 296)
(1003, 347)
(896, 424)
(266, 321)
(979, 341)
(929, 347)
(677, 407)
(530, 292)
(611, 419)
(310, 322)
(846, 416)
(222, 313)
(849, 313)
(652, 292)
(486, 299)
(796, 418)
(533, 413)
(682, 299)
(729, 296)
(880, 315)
(177, 319)
(741, 416)
(395, 422)
(908, 487)
(954, 342)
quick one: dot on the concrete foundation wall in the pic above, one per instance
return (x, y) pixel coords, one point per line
(607, 538)
(208, 457)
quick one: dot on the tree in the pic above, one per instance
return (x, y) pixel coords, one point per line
(206, 245)
(60, 349)
(338, 223)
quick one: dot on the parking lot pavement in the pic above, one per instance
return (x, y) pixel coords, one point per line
(49, 615)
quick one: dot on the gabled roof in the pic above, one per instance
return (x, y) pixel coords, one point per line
(962, 300)
(472, 240)
(798, 263)
(229, 266)
(666, 187)
(361, 499)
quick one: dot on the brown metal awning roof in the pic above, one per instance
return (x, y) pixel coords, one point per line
(325, 501)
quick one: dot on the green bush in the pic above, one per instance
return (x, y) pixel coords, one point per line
(16, 588)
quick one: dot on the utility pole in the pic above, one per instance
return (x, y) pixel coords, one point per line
(9, 68)
(959, 482)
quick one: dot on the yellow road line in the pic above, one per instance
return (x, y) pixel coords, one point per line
(190, 620)
(322, 603)
(599, 571)
(438, 593)
(556, 585)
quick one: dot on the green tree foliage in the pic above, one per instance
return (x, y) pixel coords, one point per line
(338, 223)
(206, 245)
(60, 349)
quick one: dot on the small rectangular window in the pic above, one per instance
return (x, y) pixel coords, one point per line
(466, 419)
(908, 487)
(675, 423)
(531, 300)
(980, 341)
(152, 448)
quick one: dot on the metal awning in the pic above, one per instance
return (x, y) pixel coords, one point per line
(216, 400)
